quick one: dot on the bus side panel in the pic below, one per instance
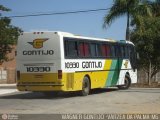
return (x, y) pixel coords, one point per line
(97, 78)
(111, 74)
(127, 68)
(75, 76)
(74, 80)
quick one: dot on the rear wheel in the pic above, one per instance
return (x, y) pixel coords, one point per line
(127, 83)
(85, 87)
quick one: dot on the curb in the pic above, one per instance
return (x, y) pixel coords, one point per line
(7, 86)
(7, 91)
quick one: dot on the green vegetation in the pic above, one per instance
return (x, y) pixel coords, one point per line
(8, 35)
(144, 18)
(134, 9)
(147, 41)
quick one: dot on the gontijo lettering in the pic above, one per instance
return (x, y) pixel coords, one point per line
(38, 52)
(91, 64)
(38, 43)
(85, 64)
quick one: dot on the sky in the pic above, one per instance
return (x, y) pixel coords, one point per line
(85, 24)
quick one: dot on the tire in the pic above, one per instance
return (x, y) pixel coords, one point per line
(85, 87)
(127, 83)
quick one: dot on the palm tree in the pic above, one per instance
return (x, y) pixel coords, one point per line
(134, 9)
(156, 8)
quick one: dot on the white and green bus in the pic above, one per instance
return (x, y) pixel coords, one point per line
(50, 62)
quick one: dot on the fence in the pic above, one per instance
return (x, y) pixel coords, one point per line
(142, 77)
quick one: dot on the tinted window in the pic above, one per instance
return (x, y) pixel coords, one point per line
(105, 50)
(132, 56)
(113, 51)
(98, 50)
(83, 49)
(93, 49)
(126, 52)
(86, 49)
(123, 52)
(71, 48)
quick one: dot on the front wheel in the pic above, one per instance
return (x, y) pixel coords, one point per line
(85, 87)
(127, 83)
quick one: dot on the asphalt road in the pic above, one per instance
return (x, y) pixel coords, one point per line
(133, 100)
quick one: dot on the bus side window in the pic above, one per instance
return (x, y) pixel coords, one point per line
(84, 49)
(123, 51)
(126, 52)
(116, 51)
(71, 49)
(130, 53)
(120, 53)
(98, 50)
(93, 50)
(113, 51)
(132, 56)
(103, 50)
(81, 50)
(108, 48)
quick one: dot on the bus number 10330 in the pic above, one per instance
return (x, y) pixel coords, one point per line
(38, 69)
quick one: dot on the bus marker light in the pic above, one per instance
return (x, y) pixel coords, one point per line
(59, 74)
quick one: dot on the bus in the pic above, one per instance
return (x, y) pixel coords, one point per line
(55, 61)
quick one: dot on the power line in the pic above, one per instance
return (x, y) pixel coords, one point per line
(58, 13)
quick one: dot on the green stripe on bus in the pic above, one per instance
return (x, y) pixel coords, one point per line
(114, 73)
(111, 73)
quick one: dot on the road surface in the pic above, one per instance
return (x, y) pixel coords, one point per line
(133, 100)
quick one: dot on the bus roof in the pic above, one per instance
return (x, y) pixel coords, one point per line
(71, 35)
(66, 34)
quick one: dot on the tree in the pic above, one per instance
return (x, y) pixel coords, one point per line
(147, 40)
(132, 8)
(8, 35)
(156, 8)
(147, 43)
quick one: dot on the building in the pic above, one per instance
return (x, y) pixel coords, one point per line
(8, 68)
